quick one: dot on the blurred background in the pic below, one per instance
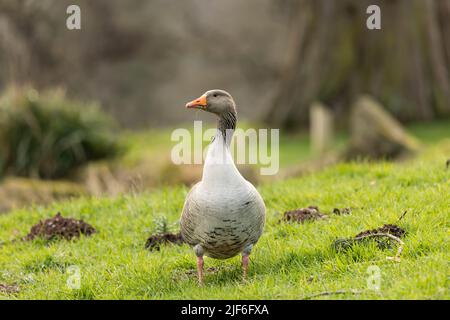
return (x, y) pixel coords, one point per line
(90, 111)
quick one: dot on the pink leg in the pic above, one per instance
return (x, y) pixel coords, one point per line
(245, 259)
(200, 270)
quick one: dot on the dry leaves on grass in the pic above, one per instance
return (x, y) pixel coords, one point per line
(9, 288)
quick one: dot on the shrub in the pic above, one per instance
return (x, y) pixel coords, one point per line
(45, 135)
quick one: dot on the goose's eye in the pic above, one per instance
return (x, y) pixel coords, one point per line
(215, 95)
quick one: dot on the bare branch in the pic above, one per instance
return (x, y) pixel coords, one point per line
(329, 293)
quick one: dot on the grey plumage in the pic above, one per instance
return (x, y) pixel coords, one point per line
(223, 214)
(223, 223)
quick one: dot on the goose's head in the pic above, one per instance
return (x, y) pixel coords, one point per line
(215, 101)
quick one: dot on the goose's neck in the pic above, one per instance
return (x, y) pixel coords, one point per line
(226, 125)
(219, 170)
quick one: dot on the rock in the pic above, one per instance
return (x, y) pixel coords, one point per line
(321, 127)
(375, 134)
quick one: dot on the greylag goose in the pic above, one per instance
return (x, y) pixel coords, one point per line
(223, 214)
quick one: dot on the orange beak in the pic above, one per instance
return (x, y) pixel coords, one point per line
(199, 103)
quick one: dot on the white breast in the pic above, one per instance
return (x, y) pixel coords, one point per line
(223, 212)
(219, 171)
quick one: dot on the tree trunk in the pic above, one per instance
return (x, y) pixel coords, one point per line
(333, 57)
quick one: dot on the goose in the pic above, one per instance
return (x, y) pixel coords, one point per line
(223, 214)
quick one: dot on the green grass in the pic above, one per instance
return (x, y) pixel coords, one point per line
(290, 261)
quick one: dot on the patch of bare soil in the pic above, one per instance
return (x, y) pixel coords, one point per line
(183, 275)
(155, 241)
(193, 273)
(343, 211)
(373, 234)
(59, 227)
(303, 214)
(387, 228)
(9, 288)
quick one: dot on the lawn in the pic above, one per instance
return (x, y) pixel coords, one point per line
(291, 261)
